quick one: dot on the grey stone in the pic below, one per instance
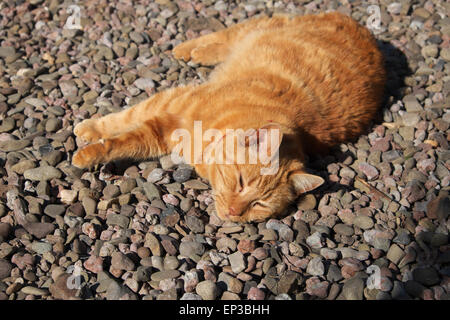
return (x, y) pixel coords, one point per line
(118, 220)
(165, 274)
(207, 289)
(117, 291)
(41, 247)
(42, 173)
(54, 210)
(343, 229)
(182, 174)
(191, 248)
(363, 222)
(195, 224)
(237, 262)
(40, 229)
(151, 191)
(334, 273)
(5, 268)
(411, 104)
(427, 276)
(316, 267)
(353, 289)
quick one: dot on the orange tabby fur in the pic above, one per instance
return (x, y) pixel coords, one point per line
(320, 78)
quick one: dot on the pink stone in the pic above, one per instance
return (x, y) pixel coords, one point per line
(370, 171)
(89, 230)
(426, 165)
(106, 235)
(350, 266)
(327, 210)
(94, 264)
(246, 246)
(22, 260)
(170, 199)
(260, 253)
(315, 287)
(381, 144)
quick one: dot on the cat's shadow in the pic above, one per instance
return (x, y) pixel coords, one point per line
(397, 69)
(428, 255)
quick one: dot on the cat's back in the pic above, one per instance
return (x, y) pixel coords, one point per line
(332, 62)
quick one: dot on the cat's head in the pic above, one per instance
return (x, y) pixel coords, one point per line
(243, 193)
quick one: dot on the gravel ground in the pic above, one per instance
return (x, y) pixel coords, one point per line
(378, 228)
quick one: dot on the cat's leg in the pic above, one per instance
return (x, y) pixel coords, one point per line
(213, 48)
(113, 124)
(106, 127)
(147, 140)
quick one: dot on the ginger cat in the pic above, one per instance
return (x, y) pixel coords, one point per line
(317, 79)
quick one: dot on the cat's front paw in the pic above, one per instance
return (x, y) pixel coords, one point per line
(88, 156)
(182, 51)
(86, 131)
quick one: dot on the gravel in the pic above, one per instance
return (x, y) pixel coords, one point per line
(148, 230)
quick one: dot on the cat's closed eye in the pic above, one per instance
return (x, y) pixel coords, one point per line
(241, 183)
(258, 204)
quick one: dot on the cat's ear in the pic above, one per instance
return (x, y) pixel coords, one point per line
(304, 182)
(269, 135)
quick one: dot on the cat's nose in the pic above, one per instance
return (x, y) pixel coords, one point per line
(233, 212)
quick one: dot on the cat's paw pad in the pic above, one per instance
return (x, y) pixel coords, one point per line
(86, 131)
(88, 156)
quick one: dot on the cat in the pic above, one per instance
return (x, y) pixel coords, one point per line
(315, 80)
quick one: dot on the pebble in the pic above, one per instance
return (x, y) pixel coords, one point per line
(255, 294)
(363, 222)
(439, 208)
(315, 241)
(41, 247)
(316, 267)
(190, 296)
(34, 291)
(237, 262)
(315, 287)
(190, 249)
(40, 229)
(195, 184)
(395, 254)
(44, 173)
(308, 202)
(343, 229)
(328, 254)
(353, 289)
(369, 171)
(182, 174)
(59, 289)
(120, 261)
(427, 276)
(165, 274)
(411, 104)
(118, 220)
(116, 291)
(5, 268)
(207, 289)
(5, 229)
